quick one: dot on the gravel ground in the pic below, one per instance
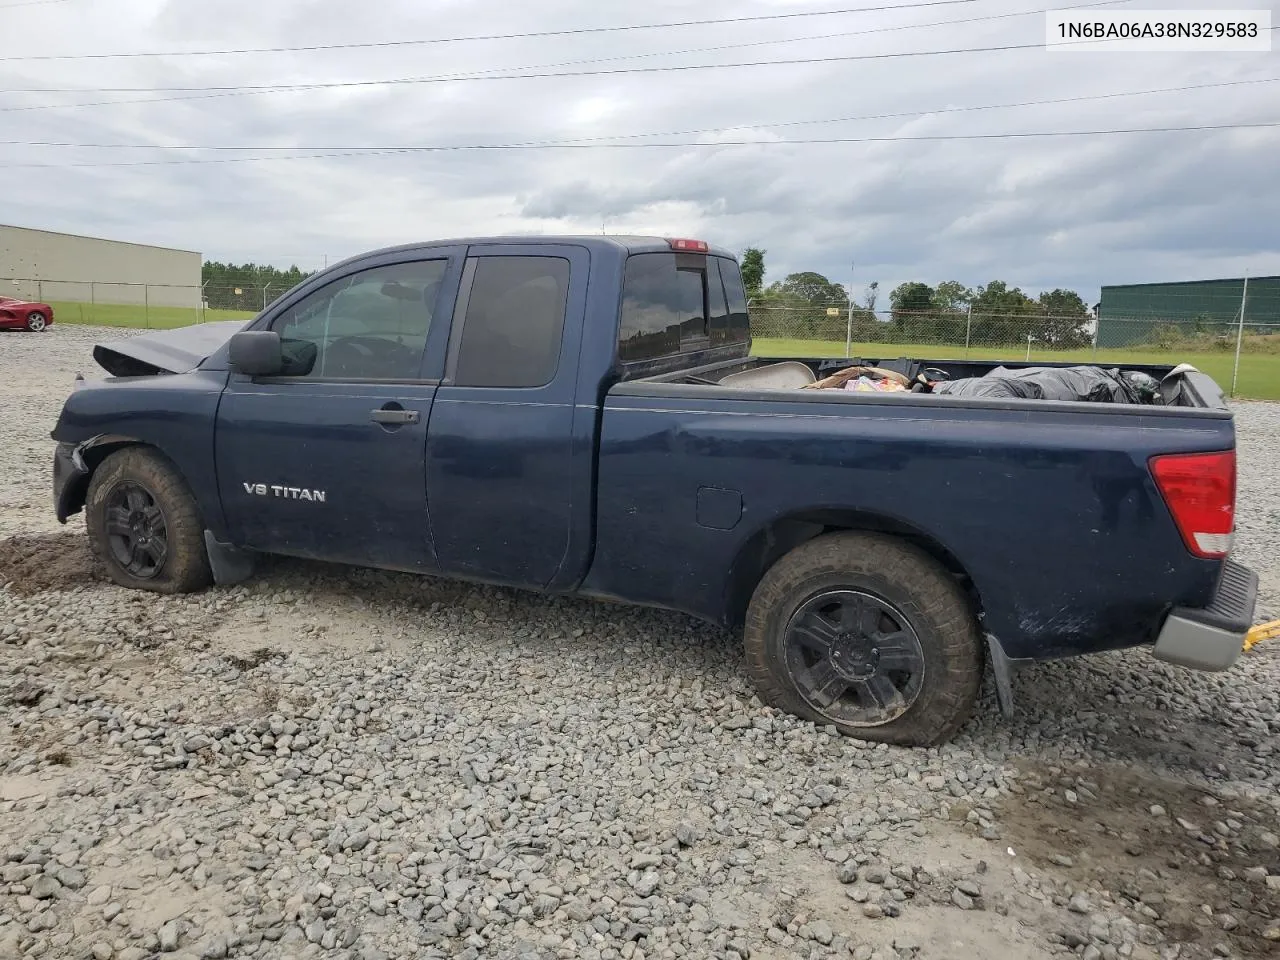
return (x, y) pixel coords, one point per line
(338, 763)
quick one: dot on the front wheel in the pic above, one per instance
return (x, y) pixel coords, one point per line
(144, 525)
(36, 322)
(867, 633)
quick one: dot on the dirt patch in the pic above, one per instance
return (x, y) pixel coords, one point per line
(1183, 858)
(25, 693)
(33, 564)
(929, 926)
(256, 658)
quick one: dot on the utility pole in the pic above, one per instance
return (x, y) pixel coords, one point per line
(848, 335)
(1244, 299)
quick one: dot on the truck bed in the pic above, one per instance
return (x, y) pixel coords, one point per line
(1046, 510)
(1196, 389)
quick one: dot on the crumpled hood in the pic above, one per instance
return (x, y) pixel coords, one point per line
(165, 351)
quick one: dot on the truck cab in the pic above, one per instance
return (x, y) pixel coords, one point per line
(430, 408)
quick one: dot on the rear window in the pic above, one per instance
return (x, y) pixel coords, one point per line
(676, 303)
(737, 325)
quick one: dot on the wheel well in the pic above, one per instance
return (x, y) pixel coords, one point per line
(781, 536)
(93, 457)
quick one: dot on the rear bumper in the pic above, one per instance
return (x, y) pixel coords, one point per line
(1212, 637)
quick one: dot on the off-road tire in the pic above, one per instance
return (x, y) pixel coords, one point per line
(186, 565)
(903, 575)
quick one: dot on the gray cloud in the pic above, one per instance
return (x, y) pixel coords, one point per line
(1036, 212)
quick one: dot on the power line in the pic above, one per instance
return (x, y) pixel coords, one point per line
(672, 133)
(493, 74)
(589, 60)
(459, 148)
(212, 92)
(458, 78)
(497, 74)
(684, 52)
(574, 31)
(28, 3)
(731, 46)
(776, 42)
(640, 56)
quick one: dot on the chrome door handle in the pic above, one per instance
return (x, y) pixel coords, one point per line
(383, 415)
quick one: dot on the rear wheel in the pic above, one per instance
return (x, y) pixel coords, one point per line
(36, 322)
(867, 633)
(144, 525)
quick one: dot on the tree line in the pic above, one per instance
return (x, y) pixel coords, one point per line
(808, 305)
(222, 280)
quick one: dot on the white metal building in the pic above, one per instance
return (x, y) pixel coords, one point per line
(44, 265)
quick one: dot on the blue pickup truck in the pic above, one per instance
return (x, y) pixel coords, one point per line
(580, 415)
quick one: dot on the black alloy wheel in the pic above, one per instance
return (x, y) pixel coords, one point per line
(137, 534)
(854, 657)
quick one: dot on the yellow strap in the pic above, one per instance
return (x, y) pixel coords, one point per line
(1263, 631)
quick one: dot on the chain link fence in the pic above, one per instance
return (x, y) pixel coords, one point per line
(965, 329)
(1243, 358)
(145, 305)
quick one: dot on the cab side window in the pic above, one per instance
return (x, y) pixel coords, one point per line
(371, 325)
(513, 329)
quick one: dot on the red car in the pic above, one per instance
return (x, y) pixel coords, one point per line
(24, 315)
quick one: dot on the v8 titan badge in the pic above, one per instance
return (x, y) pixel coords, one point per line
(287, 493)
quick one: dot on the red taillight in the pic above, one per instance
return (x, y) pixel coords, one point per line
(689, 246)
(1200, 491)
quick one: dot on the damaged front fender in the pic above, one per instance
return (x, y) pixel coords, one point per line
(73, 465)
(70, 478)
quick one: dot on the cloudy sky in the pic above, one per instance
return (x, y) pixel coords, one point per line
(1037, 212)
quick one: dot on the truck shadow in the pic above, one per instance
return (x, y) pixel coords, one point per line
(1142, 712)
(619, 639)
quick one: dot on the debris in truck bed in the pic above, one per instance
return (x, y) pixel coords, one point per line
(995, 387)
(869, 385)
(1143, 386)
(786, 374)
(841, 377)
(1085, 383)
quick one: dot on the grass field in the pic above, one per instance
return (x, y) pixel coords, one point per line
(136, 315)
(1259, 372)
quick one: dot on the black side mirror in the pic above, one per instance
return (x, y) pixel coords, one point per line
(257, 353)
